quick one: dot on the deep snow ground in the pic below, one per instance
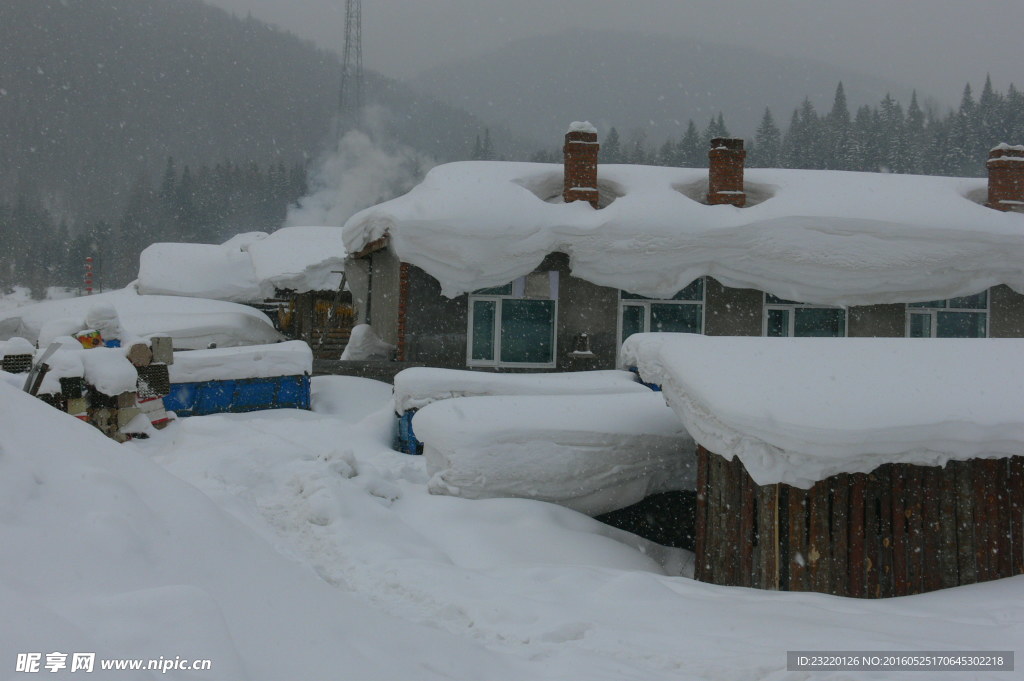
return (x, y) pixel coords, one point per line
(551, 588)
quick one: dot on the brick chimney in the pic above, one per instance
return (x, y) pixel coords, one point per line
(725, 172)
(1006, 178)
(580, 153)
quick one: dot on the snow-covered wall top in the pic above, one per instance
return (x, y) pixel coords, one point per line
(826, 237)
(292, 358)
(247, 267)
(798, 410)
(419, 386)
(191, 322)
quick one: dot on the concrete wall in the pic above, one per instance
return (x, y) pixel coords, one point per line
(384, 294)
(587, 308)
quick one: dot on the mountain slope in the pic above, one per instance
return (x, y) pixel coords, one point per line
(631, 80)
(95, 92)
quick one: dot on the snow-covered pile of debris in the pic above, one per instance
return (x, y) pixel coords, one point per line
(591, 453)
(798, 410)
(248, 267)
(828, 237)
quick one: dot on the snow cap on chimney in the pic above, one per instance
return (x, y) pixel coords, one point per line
(580, 154)
(1006, 178)
(725, 172)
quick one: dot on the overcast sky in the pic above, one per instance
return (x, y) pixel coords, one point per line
(936, 45)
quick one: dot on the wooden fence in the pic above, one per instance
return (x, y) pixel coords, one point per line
(899, 530)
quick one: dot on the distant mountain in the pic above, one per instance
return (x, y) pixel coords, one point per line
(94, 93)
(653, 83)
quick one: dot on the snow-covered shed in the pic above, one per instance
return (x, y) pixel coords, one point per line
(293, 274)
(866, 467)
(506, 266)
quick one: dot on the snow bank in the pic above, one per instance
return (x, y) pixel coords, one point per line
(798, 410)
(364, 344)
(591, 453)
(247, 267)
(829, 237)
(108, 553)
(291, 358)
(191, 322)
(419, 386)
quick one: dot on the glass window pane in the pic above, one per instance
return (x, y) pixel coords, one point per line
(505, 290)
(528, 331)
(978, 301)
(632, 320)
(678, 318)
(929, 303)
(819, 322)
(695, 291)
(778, 323)
(961, 325)
(920, 326)
(626, 295)
(483, 330)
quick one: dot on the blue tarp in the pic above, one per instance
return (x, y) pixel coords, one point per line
(407, 441)
(239, 395)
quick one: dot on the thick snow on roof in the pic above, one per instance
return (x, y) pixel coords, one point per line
(419, 386)
(192, 322)
(292, 358)
(798, 410)
(247, 267)
(825, 237)
(591, 453)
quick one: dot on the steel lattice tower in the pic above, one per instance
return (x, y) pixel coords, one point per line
(351, 98)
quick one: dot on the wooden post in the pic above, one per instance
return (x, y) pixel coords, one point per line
(857, 565)
(1016, 488)
(701, 519)
(900, 585)
(819, 545)
(965, 523)
(840, 534)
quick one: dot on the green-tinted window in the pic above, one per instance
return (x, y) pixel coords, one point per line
(920, 325)
(960, 325)
(527, 331)
(978, 301)
(819, 322)
(677, 318)
(632, 320)
(483, 329)
(778, 323)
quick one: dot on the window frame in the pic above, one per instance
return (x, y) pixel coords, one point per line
(517, 291)
(646, 303)
(792, 306)
(925, 308)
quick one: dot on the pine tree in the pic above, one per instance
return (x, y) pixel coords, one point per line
(767, 143)
(691, 150)
(611, 150)
(837, 129)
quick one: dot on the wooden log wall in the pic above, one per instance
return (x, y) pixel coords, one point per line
(901, 529)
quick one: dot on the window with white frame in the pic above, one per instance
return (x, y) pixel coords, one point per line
(682, 313)
(790, 318)
(514, 324)
(963, 317)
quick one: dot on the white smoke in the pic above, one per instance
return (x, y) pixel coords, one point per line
(360, 173)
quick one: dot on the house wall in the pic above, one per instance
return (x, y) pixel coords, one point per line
(587, 308)
(435, 328)
(1006, 319)
(876, 321)
(732, 311)
(384, 280)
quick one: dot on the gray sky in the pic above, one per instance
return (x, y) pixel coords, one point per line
(936, 45)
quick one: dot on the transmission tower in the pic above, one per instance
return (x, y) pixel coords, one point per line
(351, 99)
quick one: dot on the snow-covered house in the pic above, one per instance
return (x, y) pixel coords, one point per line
(293, 274)
(866, 468)
(506, 266)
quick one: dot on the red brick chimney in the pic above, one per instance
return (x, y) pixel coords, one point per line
(725, 172)
(580, 153)
(1006, 178)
